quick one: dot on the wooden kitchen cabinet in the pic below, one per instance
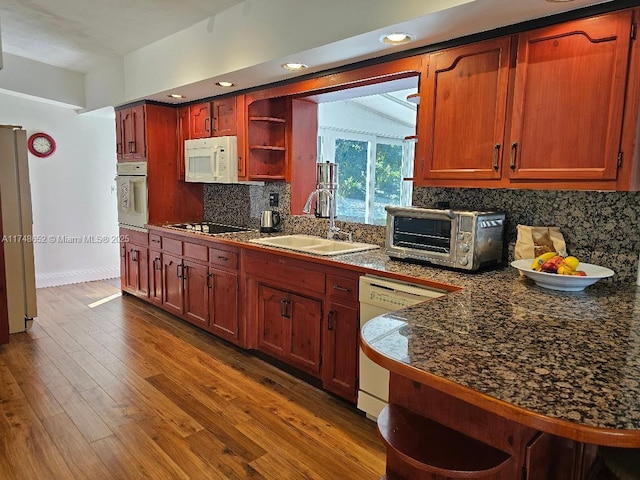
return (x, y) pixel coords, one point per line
(224, 294)
(340, 337)
(561, 109)
(282, 144)
(463, 100)
(172, 284)
(224, 117)
(134, 268)
(289, 327)
(184, 125)
(200, 120)
(197, 282)
(569, 95)
(196, 293)
(267, 138)
(306, 315)
(136, 279)
(131, 144)
(213, 119)
(155, 276)
(169, 199)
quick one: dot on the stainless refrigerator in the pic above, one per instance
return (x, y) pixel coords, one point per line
(17, 234)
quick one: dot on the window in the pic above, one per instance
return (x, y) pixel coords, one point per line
(365, 137)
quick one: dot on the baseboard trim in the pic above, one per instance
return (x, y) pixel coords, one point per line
(66, 278)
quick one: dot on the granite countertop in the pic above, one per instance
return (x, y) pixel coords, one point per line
(571, 357)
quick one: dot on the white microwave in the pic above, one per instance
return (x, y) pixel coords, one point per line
(211, 160)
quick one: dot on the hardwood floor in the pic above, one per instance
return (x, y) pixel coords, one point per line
(125, 391)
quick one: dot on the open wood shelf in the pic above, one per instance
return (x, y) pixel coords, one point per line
(432, 447)
(267, 119)
(267, 147)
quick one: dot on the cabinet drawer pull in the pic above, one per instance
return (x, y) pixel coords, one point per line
(223, 258)
(514, 152)
(155, 240)
(342, 289)
(331, 320)
(496, 151)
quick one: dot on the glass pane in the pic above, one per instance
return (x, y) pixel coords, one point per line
(388, 180)
(351, 157)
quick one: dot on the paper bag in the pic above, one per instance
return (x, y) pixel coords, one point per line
(534, 241)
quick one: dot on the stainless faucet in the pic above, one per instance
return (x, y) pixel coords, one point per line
(333, 230)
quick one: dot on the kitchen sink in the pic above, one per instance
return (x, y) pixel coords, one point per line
(315, 245)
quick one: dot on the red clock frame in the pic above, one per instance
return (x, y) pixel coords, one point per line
(33, 137)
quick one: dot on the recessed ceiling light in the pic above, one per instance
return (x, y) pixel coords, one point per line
(559, 1)
(294, 67)
(397, 38)
(225, 84)
(176, 95)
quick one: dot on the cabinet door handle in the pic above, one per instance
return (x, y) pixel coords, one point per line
(179, 271)
(224, 259)
(134, 255)
(207, 128)
(342, 289)
(284, 308)
(209, 275)
(514, 152)
(496, 151)
(331, 318)
(156, 264)
(119, 147)
(130, 146)
(215, 124)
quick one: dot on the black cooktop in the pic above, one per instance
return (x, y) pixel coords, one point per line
(207, 227)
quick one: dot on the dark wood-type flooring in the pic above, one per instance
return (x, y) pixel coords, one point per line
(126, 391)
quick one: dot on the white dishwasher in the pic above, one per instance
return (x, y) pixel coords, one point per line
(379, 296)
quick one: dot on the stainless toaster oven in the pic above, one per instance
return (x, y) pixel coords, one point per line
(466, 240)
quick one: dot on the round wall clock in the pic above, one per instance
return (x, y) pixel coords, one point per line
(41, 144)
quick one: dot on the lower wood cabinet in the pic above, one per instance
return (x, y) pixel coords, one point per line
(195, 277)
(155, 277)
(289, 327)
(340, 337)
(172, 285)
(306, 315)
(223, 304)
(134, 258)
(297, 311)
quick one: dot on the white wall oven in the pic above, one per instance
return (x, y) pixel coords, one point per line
(131, 181)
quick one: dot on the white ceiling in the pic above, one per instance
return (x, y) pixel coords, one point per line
(80, 35)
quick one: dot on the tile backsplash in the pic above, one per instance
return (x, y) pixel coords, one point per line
(599, 227)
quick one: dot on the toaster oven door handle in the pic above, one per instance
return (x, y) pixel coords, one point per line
(430, 212)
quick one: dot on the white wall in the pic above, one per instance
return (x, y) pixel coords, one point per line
(71, 191)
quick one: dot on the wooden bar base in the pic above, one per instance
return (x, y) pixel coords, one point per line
(431, 435)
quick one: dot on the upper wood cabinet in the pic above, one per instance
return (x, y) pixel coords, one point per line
(213, 119)
(568, 101)
(464, 97)
(200, 120)
(556, 109)
(224, 117)
(131, 143)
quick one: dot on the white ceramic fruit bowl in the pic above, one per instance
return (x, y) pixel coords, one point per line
(565, 283)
